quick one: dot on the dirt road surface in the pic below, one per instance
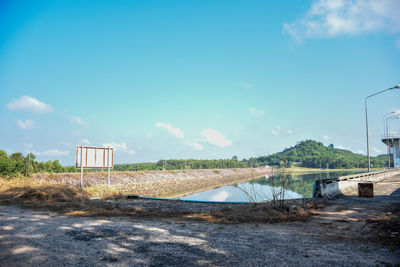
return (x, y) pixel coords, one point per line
(350, 231)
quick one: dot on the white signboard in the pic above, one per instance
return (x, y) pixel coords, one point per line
(94, 157)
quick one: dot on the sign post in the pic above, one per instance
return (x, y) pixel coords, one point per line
(108, 167)
(81, 167)
(95, 158)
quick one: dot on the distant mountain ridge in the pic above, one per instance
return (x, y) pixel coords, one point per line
(308, 153)
(313, 154)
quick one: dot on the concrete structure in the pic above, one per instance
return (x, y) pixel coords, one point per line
(331, 188)
(392, 140)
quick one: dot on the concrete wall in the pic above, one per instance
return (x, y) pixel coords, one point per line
(396, 153)
(331, 188)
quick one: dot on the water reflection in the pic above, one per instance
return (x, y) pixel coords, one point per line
(220, 196)
(263, 188)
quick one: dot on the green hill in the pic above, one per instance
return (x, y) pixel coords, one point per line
(314, 154)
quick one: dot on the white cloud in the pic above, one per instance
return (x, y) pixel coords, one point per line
(331, 18)
(25, 125)
(215, 138)
(55, 152)
(325, 137)
(279, 130)
(256, 112)
(196, 146)
(86, 141)
(29, 103)
(221, 196)
(29, 146)
(76, 120)
(49, 152)
(116, 146)
(122, 147)
(246, 85)
(175, 131)
(360, 152)
(376, 150)
(274, 132)
(343, 147)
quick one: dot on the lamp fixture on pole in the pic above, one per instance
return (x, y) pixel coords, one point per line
(366, 119)
(387, 132)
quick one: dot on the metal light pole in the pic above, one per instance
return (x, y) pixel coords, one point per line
(387, 132)
(366, 119)
(384, 121)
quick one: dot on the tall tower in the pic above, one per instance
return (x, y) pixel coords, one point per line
(393, 141)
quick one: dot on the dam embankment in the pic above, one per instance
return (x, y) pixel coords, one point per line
(348, 185)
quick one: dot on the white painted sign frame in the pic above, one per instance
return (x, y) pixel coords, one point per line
(90, 157)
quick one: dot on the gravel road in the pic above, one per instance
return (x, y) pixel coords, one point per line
(350, 231)
(48, 239)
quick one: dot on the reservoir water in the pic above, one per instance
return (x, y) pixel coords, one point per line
(263, 188)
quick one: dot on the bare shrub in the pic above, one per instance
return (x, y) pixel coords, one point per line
(278, 187)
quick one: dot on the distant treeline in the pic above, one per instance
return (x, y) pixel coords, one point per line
(307, 153)
(181, 164)
(17, 164)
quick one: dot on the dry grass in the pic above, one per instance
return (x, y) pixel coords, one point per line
(103, 191)
(24, 190)
(72, 201)
(263, 213)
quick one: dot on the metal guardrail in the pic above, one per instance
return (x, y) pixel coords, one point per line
(391, 135)
(357, 176)
(354, 177)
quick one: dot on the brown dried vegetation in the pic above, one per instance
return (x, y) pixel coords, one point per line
(72, 201)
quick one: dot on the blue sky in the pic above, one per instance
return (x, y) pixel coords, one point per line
(195, 79)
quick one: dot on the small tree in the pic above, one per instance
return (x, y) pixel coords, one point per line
(28, 164)
(278, 188)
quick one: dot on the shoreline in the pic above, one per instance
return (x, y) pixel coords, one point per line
(165, 183)
(203, 189)
(169, 184)
(178, 187)
(304, 170)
